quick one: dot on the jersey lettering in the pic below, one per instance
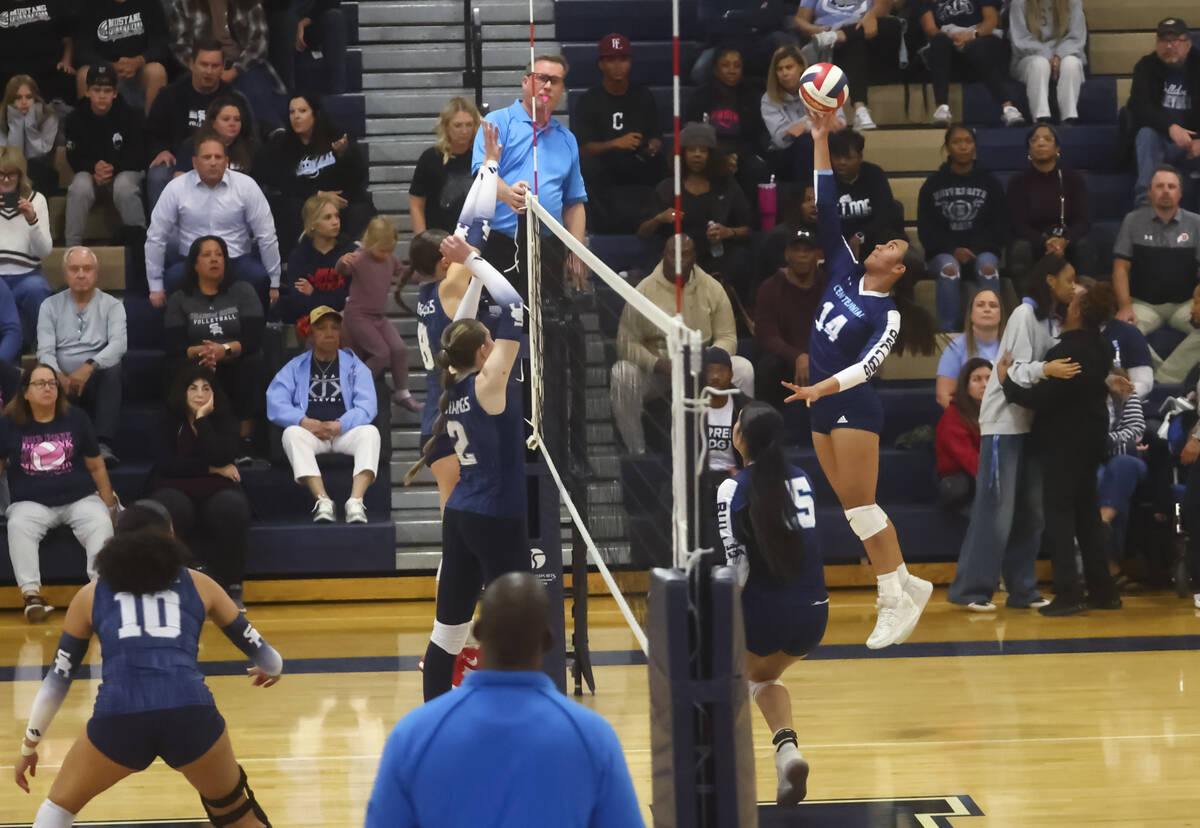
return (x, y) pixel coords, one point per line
(423, 344)
(455, 429)
(160, 615)
(618, 121)
(806, 512)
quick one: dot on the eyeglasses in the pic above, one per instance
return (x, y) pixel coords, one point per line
(541, 80)
(43, 383)
(1178, 40)
(12, 175)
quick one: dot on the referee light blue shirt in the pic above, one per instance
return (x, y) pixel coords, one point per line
(505, 749)
(560, 183)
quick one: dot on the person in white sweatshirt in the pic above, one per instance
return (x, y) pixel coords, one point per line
(1049, 45)
(24, 239)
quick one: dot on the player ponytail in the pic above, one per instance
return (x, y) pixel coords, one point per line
(461, 342)
(772, 513)
(142, 561)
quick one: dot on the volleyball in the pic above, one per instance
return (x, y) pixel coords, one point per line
(823, 87)
(47, 456)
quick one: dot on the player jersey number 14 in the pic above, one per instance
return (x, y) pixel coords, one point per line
(832, 327)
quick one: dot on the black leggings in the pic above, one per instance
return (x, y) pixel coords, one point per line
(1072, 513)
(987, 55)
(214, 528)
(476, 549)
(858, 55)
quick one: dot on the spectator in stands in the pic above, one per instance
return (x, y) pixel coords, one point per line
(784, 310)
(620, 140)
(324, 400)
(24, 238)
(10, 340)
(198, 481)
(82, 335)
(36, 40)
(795, 214)
(715, 212)
(1131, 353)
(858, 37)
(719, 418)
(960, 219)
(179, 110)
(312, 279)
(957, 439)
(55, 477)
(1176, 367)
(106, 153)
(785, 117)
(1164, 102)
(1049, 211)
(27, 123)
(216, 321)
(643, 367)
(132, 36)
(230, 119)
(1049, 40)
(318, 27)
(212, 200)
(869, 210)
(242, 37)
(980, 339)
(1123, 470)
(1155, 258)
(442, 178)
(313, 157)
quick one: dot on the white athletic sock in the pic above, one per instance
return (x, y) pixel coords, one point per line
(52, 816)
(890, 585)
(902, 571)
(785, 750)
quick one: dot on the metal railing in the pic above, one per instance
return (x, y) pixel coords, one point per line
(473, 43)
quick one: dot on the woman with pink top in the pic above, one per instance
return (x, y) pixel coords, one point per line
(371, 271)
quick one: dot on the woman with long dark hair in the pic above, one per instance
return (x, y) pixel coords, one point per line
(768, 522)
(230, 118)
(956, 442)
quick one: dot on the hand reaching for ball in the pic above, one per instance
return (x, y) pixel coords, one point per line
(823, 123)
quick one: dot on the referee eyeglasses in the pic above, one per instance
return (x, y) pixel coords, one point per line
(540, 79)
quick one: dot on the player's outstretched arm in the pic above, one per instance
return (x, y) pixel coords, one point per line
(268, 664)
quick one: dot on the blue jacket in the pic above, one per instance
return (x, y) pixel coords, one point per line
(287, 395)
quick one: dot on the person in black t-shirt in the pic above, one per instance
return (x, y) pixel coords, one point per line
(35, 39)
(620, 143)
(132, 36)
(442, 179)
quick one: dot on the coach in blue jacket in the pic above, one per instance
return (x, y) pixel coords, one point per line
(324, 400)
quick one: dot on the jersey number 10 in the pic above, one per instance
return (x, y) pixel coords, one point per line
(834, 326)
(160, 615)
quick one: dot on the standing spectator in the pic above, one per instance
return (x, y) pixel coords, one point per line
(372, 270)
(1122, 470)
(132, 36)
(82, 335)
(785, 117)
(312, 277)
(212, 200)
(36, 40)
(198, 481)
(985, 326)
(1049, 210)
(322, 31)
(784, 309)
(620, 143)
(1155, 259)
(869, 210)
(55, 477)
(106, 153)
(230, 119)
(960, 221)
(442, 178)
(24, 238)
(1164, 102)
(862, 36)
(1049, 39)
(28, 124)
(957, 438)
(324, 400)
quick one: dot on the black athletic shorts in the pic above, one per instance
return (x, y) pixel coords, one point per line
(780, 620)
(477, 549)
(180, 735)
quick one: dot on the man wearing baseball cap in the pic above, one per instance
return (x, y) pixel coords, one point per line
(620, 141)
(784, 310)
(1164, 101)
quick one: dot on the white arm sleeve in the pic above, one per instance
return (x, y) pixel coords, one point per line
(865, 368)
(735, 550)
(50, 695)
(468, 308)
(474, 222)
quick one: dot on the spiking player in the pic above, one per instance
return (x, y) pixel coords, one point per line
(853, 333)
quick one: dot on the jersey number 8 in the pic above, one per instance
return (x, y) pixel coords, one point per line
(160, 615)
(423, 344)
(459, 434)
(834, 326)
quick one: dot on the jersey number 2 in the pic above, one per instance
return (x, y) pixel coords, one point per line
(834, 326)
(160, 613)
(459, 435)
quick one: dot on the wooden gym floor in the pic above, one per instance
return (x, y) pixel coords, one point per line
(1085, 721)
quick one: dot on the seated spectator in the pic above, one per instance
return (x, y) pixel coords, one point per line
(230, 119)
(869, 210)
(1049, 40)
(198, 481)
(785, 117)
(980, 339)
(313, 157)
(179, 110)
(24, 238)
(1155, 259)
(1164, 106)
(643, 368)
(795, 214)
(1176, 367)
(82, 335)
(324, 400)
(1123, 469)
(965, 34)
(216, 321)
(36, 40)
(312, 279)
(55, 477)
(28, 124)
(960, 219)
(715, 212)
(132, 36)
(442, 178)
(620, 140)
(106, 153)
(10, 337)
(242, 37)
(957, 437)
(857, 36)
(212, 200)
(372, 269)
(1131, 352)
(510, 702)
(784, 310)
(318, 27)
(1049, 210)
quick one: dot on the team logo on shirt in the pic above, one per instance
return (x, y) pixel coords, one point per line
(43, 454)
(23, 17)
(960, 205)
(311, 167)
(1184, 238)
(720, 437)
(196, 118)
(325, 389)
(118, 28)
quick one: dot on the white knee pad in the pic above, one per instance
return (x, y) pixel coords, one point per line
(450, 637)
(757, 687)
(867, 521)
(52, 816)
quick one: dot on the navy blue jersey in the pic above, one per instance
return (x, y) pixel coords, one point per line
(431, 321)
(854, 329)
(491, 452)
(148, 647)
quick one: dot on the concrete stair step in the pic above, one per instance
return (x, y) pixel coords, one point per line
(429, 102)
(1122, 15)
(450, 32)
(432, 12)
(377, 126)
(1115, 53)
(413, 498)
(420, 526)
(390, 197)
(415, 557)
(422, 79)
(495, 56)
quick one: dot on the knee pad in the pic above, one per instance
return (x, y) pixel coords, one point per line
(757, 687)
(239, 791)
(53, 816)
(867, 521)
(450, 637)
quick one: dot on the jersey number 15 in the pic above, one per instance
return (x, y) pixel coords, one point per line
(806, 512)
(834, 326)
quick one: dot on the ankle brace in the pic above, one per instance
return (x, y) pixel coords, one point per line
(783, 736)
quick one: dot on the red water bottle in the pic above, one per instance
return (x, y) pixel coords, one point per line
(767, 204)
